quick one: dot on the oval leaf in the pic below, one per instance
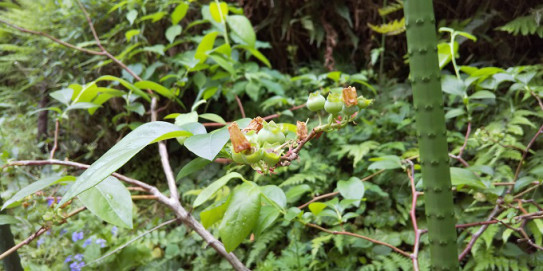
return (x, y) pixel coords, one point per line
(35, 187)
(351, 189)
(241, 216)
(213, 187)
(110, 201)
(241, 26)
(123, 151)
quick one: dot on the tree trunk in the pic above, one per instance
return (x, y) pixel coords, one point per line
(431, 133)
(11, 262)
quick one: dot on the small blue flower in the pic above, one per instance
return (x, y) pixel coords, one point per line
(62, 232)
(76, 236)
(40, 241)
(58, 200)
(87, 242)
(68, 259)
(114, 230)
(101, 242)
(78, 257)
(50, 201)
(81, 264)
(75, 266)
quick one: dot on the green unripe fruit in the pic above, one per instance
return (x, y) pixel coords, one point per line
(363, 102)
(508, 198)
(254, 157)
(237, 157)
(271, 133)
(271, 158)
(333, 104)
(315, 101)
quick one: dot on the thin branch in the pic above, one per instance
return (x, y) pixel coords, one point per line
(38, 233)
(413, 215)
(138, 197)
(55, 140)
(519, 166)
(404, 253)
(276, 115)
(538, 99)
(468, 131)
(323, 196)
(63, 43)
(240, 105)
(481, 230)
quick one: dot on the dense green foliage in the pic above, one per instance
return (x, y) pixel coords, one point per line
(197, 58)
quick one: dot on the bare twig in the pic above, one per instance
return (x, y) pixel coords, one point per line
(276, 115)
(412, 213)
(240, 105)
(538, 99)
(404, 253)
(55, 140)
(38, 233)
(481, 230)
(332, 194)
(525, 153)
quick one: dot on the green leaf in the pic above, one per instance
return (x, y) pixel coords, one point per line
(157, 48)
(452, 85)
(241, 216)
(212, 117)
(316, 207)
(193, 166)
(253, 90)
(82, 106)
(256, 54)
(266, 217)
(64, 95)
(119, 154)
(205, 46)
(294, 193)
(461, 177)
(455, 112)
(154, 17)
(214, 212)
(225, 64)
(131, 33)
(483, 94)
(156, 87)
(275, 194)
(172, 32)
(209, 145)
(182, 119)
(35, 187)
(110, 201)
(126, 84)
(242, 27)
(131, 16)
(292, 212)
(351, 189)
(218, 12)
(7, 219)
(213, 187)
(179, 12)
(386, 162)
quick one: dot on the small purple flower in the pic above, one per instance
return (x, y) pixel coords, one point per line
(50, 201)
(75, 266)
(68, 259)
(58, 200)
(101, 242)
(87, 242)
(62, 232)
(76, 236)
(40, 241)
(78, 257)
(81, 264)
(114, 230)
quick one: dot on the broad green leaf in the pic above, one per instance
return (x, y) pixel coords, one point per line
(462, 176)
(218, 12)
(172, 32)
(131, 33)
(212, 117)
(241, 216)
(119, 154)
(268, 214)
(275, 194)
(294, 193)
(455, 112)
(156, 87)
(154, 17)
(193, 166)
(386, 162)
(316, 207)
(209, 145)
(351, 189)
(225, 64)
(82, 106)
(292, 212)
(483, 94)
(7, 219)
(256, 54)
(214, 212)
(205, 46)
(179, 12)
(452, 85)
(157, 48)
(214, 186)
(35, 187)
(444, 53)
(64, 95)
(242, 27)
(126, 84)
(131, 16)
(185, 118)
(110, 201)
(335, 75)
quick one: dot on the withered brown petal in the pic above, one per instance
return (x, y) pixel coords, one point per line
(301, 130)
(238, 139)
(255, 125)
(350, 96)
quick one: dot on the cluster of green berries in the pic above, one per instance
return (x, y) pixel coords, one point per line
(346, 103)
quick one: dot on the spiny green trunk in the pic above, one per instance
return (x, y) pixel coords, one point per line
(431, 132)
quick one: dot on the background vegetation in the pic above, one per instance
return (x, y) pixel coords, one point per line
(491, 78)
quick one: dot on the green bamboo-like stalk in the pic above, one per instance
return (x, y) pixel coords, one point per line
(431, 132)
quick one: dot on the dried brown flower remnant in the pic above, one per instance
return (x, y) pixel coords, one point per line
(301, 130)
(349, 96)
(255, 125)
(238, 139)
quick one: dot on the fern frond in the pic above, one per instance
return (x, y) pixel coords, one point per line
(525, 25)
(384, 11)
(390, 29)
